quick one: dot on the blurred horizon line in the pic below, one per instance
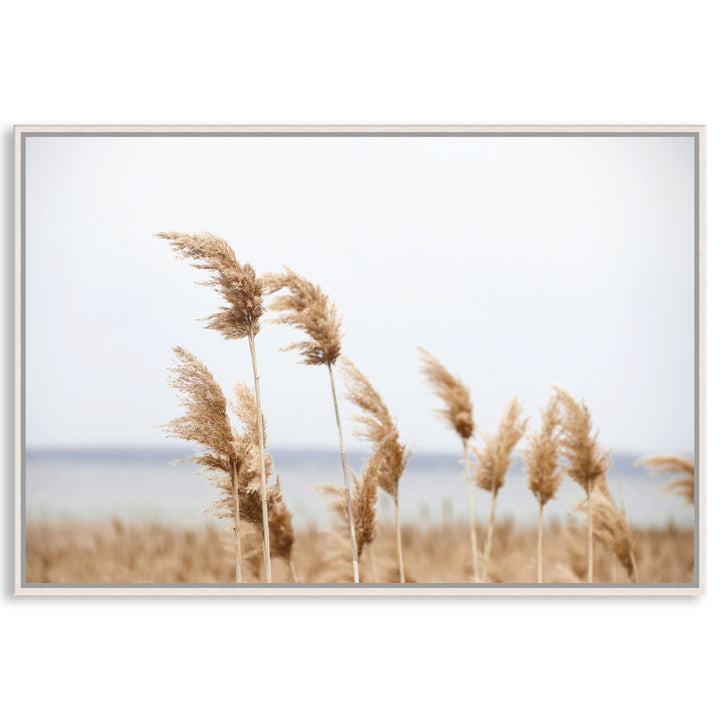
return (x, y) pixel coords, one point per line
(622, 460)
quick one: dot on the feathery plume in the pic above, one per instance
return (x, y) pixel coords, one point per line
(458, 409)
(379, 429)
(245, 443)
(249, 480)
(376, 427)
(682, 486)
(587, 463)
(282, 535)
(364, 501)
(543, 472)
(243, 292)
(306, 307)
(542, 455)
(236, 283)
(494, 459)
(206, 422)
(611, 529)
(493, 463)
(457, 413)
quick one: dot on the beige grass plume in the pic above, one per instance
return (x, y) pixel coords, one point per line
(249, 500)
(611, 529)
(205, 420)
(243, 292)
(364, 504)
(457, 413)
(682, 486)
(282, 535)
(365, 500)
(379, 429)
(587, 462)
(245, 443)
(542, 461)
(493, 462)
(306, 307)
(236, 283)
(206, 423)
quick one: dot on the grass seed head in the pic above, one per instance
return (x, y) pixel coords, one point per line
(610, 527)
(457, 412)
(306, 307)
(494, 459)
(586, 460)
(542, 454)
(205, 421)
(377, 428)
(236, 283)
(364, 503)
(684, 485)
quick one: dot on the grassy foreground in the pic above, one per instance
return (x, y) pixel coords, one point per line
(119, 552)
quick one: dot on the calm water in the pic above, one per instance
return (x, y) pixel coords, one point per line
(144, 485)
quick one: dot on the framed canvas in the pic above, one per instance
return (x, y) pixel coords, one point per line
(462, 360)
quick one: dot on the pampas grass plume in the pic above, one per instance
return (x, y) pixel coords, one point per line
(682, 486)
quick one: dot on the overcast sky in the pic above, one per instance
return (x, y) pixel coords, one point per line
(518, 262)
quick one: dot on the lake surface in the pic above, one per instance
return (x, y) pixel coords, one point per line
(144, 485)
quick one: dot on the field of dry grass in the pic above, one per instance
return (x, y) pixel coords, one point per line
(119, 552)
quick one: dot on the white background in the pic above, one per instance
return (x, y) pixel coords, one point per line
(372, 62)
(519, 262)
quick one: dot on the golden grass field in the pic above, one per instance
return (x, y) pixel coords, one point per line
(119, 552)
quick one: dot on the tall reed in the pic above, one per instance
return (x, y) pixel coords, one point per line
(306, 307)
(544, 474)
(493, 462)
(682, 486)
(611, 528)
(240, 318)
(363, 501)
(379, 429)
(247, 504)
(206, 423)
(457, 413)
(587, 463)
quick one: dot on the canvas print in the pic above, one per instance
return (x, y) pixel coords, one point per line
(370, 360)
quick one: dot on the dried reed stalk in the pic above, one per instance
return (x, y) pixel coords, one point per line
(363, 502)
(544, 475)
(611, 529)
(206, 423)
(493, 462)
(586, 461)
(240, 318)
(457, 413)
(682, 486)
(379, 429)
(248, 503)
(306, 307)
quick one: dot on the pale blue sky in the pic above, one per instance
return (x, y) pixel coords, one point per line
(519, 262)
